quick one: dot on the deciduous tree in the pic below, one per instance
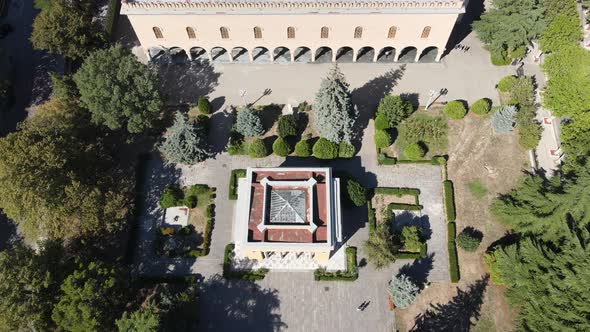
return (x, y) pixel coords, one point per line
(118, 90)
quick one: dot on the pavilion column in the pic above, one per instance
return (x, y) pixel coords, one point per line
(439, 54)
(418, 53)
(396, 56)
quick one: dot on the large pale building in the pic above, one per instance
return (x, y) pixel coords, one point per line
(278, 31)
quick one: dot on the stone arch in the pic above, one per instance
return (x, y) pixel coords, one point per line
(429, 54)
(282, 54)
(302, 54)
(240, 55)
(386, 54)
(199, 54)
(323, 54)
(408, 54)
(178, 55)
(345, 54)
(219, 55)
(365, 54)
(261, 55)
(157, 54)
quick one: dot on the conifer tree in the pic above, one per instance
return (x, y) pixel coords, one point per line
(333, 112)
(504, 119)
(402, 290)
(186, 142)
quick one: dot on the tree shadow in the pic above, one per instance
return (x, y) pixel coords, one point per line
(413, 98)
(270, 114)
(474, 233)
(419, 270)
(237, 305)
(367, 97)
(221, 124)
(457, 315)
(185, 83)
(217, 103)
(124, 33)
(463, 26)
(408, 218)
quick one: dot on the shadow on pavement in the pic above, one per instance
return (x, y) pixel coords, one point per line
(418, 270)
(236, 305)
(457, 315)
(184, 83)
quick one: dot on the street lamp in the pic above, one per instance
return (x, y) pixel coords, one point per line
(432, 95)
(242, 93)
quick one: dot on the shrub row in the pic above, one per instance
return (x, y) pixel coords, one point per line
(397, 191)
(449, 200)
(413, 255)
(453, 259)
(351, 273)
(385, 160)
(204, 251)
(371, 217)
(252, 275)
(400, 206)
(233, 182)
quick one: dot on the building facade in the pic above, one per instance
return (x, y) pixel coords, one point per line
(287, 214)
(278, 31)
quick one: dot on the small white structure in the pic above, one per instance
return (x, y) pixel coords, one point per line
(176, 216)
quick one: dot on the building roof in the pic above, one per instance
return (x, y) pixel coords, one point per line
(287, 207)
(203, 6)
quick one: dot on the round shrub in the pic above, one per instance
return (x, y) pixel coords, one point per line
(257, 149)
(302, 149)
(506, 83)
(172, 196)
(414, 151)
(280, 147)
(481, 106)
(203, 105)
(382, 139)
(468, 241)
(381, 122)
(325, 149)
(190, 201)
(356, 192)
(455, 110)
(287, 125)
(346, 150)
(439, 160)
(395, 109)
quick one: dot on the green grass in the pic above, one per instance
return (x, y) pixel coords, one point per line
(484, 324)
(477, 189)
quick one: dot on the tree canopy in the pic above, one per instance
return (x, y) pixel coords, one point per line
(333, 112)
(249, 123)
(91, 297)
(66, 28)
(510, 24)
(57, 180)
(564, 30)
(118, 90)
(186, 142)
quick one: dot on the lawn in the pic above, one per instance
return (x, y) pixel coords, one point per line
(477, 189)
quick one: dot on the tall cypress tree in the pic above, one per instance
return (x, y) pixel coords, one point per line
(333, 112)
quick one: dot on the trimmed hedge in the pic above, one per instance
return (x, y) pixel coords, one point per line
(453, 258)
(449, 200)
(204, 251)
(413, 255)
(371, 219)
(400, 206)
(422, 161)
(455, 110)
(252, 275)
(397, 191)
(439, 160)
(351, 273)
(325, 149)
(233, 182)
(383, 159)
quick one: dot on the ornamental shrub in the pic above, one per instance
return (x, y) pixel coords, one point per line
(481, 106)
(506, 83)
(403, 291)
(394, 109)
(324, 149)
(414, 151)
(280, 147)
(346, 150)
(287, 125)
(382, 139)
(203, 105)
(356, 192)
(500, 58)
(381, 122)
(503, 119)
(248, 123)
(172, 196)
(190, 201)
(455, 110)
(411, 238)
(257, 149)
(469, 239)
(303, 149)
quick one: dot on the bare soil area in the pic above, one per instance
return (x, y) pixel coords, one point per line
(497, 161)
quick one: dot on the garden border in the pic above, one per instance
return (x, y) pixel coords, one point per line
(351, 273)
(252, 275)
(233, 182)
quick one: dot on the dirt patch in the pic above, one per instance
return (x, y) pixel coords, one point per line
(380, 203)
(476, 153)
